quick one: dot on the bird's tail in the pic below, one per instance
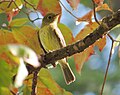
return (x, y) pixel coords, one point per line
(67, 72)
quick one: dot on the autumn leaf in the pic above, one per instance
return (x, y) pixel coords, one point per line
(88, 17)
(48, 6)
(6, 74)
(103, 7)
(73, 3)
(52, 88)
(6, 37)
(18, 22)
(28, 38)
(67, 33)
(19, 35)
(45, 84)
(80, 58)
(99, 2)
(31, 3)
(83, 56)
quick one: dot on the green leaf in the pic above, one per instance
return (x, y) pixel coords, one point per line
(5, 91)
(18, 22)
(26, 90)
(67, 33)
(51, 85)
(5, 74)
(3, 19)
(31, 2)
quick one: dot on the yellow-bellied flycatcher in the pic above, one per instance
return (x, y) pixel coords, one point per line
(51, 38)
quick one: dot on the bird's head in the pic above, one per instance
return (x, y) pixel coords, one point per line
(50, 18)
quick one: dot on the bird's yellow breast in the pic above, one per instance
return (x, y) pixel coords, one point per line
(49, 40)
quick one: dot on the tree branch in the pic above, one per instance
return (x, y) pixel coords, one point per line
(107, 24)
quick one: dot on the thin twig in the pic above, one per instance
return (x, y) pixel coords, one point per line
(10, 3)
(30, 4)
(28, 13)
(94, 12)
(34, 83)
(23, 10)
(112, 38)
(34, 19)
(68, 10)
(108, 65)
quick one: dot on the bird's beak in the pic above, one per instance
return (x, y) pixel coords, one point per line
(57, 16)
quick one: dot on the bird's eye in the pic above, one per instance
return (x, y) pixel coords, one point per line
(49, 17)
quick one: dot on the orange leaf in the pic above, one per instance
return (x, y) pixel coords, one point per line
(100, 43)
(88, 17)
(80, 58)
(73, 3)
(103, 7)
(83, 56)
(47, 6)
(99, 2)
(6, 37)
(86, 30)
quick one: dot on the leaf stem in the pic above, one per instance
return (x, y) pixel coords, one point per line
(95, 17)
(108, 65)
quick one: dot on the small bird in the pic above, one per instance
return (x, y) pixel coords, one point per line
(51, 38)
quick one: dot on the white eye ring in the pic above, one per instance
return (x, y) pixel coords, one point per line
(49, 17)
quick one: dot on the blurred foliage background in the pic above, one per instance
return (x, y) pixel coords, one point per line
(90, 80)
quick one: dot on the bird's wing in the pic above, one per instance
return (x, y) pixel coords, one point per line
(40, 42)
(60, 37)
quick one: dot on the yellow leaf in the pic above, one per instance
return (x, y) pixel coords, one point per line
(18, 22)
(67, 33)
(47, 6)
(27, 35)
(6, 37)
